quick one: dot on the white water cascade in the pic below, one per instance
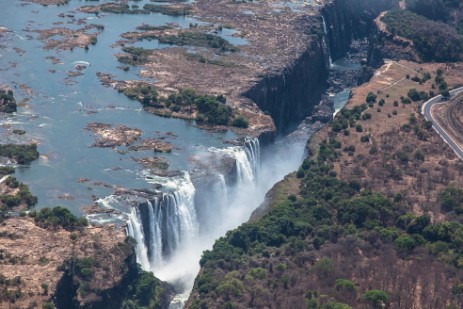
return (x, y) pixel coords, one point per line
(162, 223)
(325, 32)
(173, 227)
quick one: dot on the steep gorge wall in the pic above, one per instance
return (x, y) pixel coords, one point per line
(289, 96)
(133, 288)
(348, 20)
(384, 44)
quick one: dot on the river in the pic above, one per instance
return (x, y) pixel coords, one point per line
(173, 223)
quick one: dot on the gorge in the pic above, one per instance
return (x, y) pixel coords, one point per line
(213, 188)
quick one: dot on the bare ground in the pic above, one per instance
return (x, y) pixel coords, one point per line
(382, 171)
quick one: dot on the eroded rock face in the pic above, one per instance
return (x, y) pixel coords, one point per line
(291, 95)
(323, 112)
(349, 20)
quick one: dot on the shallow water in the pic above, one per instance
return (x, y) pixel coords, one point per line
(61, 106)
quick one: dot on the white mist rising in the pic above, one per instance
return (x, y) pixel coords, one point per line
(198, 226)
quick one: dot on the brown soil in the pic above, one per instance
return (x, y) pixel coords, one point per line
(34, 253)
(383, 172)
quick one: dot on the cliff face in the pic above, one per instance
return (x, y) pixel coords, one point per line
(348, 20)
(291, 95)
(123, 284)
(385, 45)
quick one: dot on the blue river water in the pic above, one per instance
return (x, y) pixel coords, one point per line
(57, 107)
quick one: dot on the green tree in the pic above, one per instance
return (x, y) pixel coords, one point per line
(404, 244)
(445, 94)
(450, 198)
(371, 97)
(376, 297)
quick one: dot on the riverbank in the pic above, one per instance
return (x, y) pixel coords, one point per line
(273, 77)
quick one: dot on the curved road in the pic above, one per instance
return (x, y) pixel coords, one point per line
(426, 111)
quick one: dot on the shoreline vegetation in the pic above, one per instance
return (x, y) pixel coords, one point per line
(205, 109)
(373, 218)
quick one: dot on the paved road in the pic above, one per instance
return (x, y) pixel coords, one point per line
(426, 111)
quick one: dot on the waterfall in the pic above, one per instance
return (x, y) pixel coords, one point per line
(252, 148)
(247, 159)
(165, 221)
(325, 32)
(176, 223)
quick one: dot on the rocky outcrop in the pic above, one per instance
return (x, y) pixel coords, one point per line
(348, 20)
(291, 95)
(135, 287)
(385, 45)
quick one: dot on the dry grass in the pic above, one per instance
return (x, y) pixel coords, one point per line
(419, 181)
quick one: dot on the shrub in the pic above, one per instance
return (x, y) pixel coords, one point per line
(371, 97)
(7, 101)
(57, 216)
(22, 153)
(240, 122)
(345, 285)
(376, 297)
(450, 198)
(404, 244)
(414, 94)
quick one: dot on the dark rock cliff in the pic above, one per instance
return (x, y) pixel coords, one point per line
(291, 95)
(135, 286)
(348, 20)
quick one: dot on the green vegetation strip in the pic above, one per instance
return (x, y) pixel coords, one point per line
(22, 153)
(210, 110)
